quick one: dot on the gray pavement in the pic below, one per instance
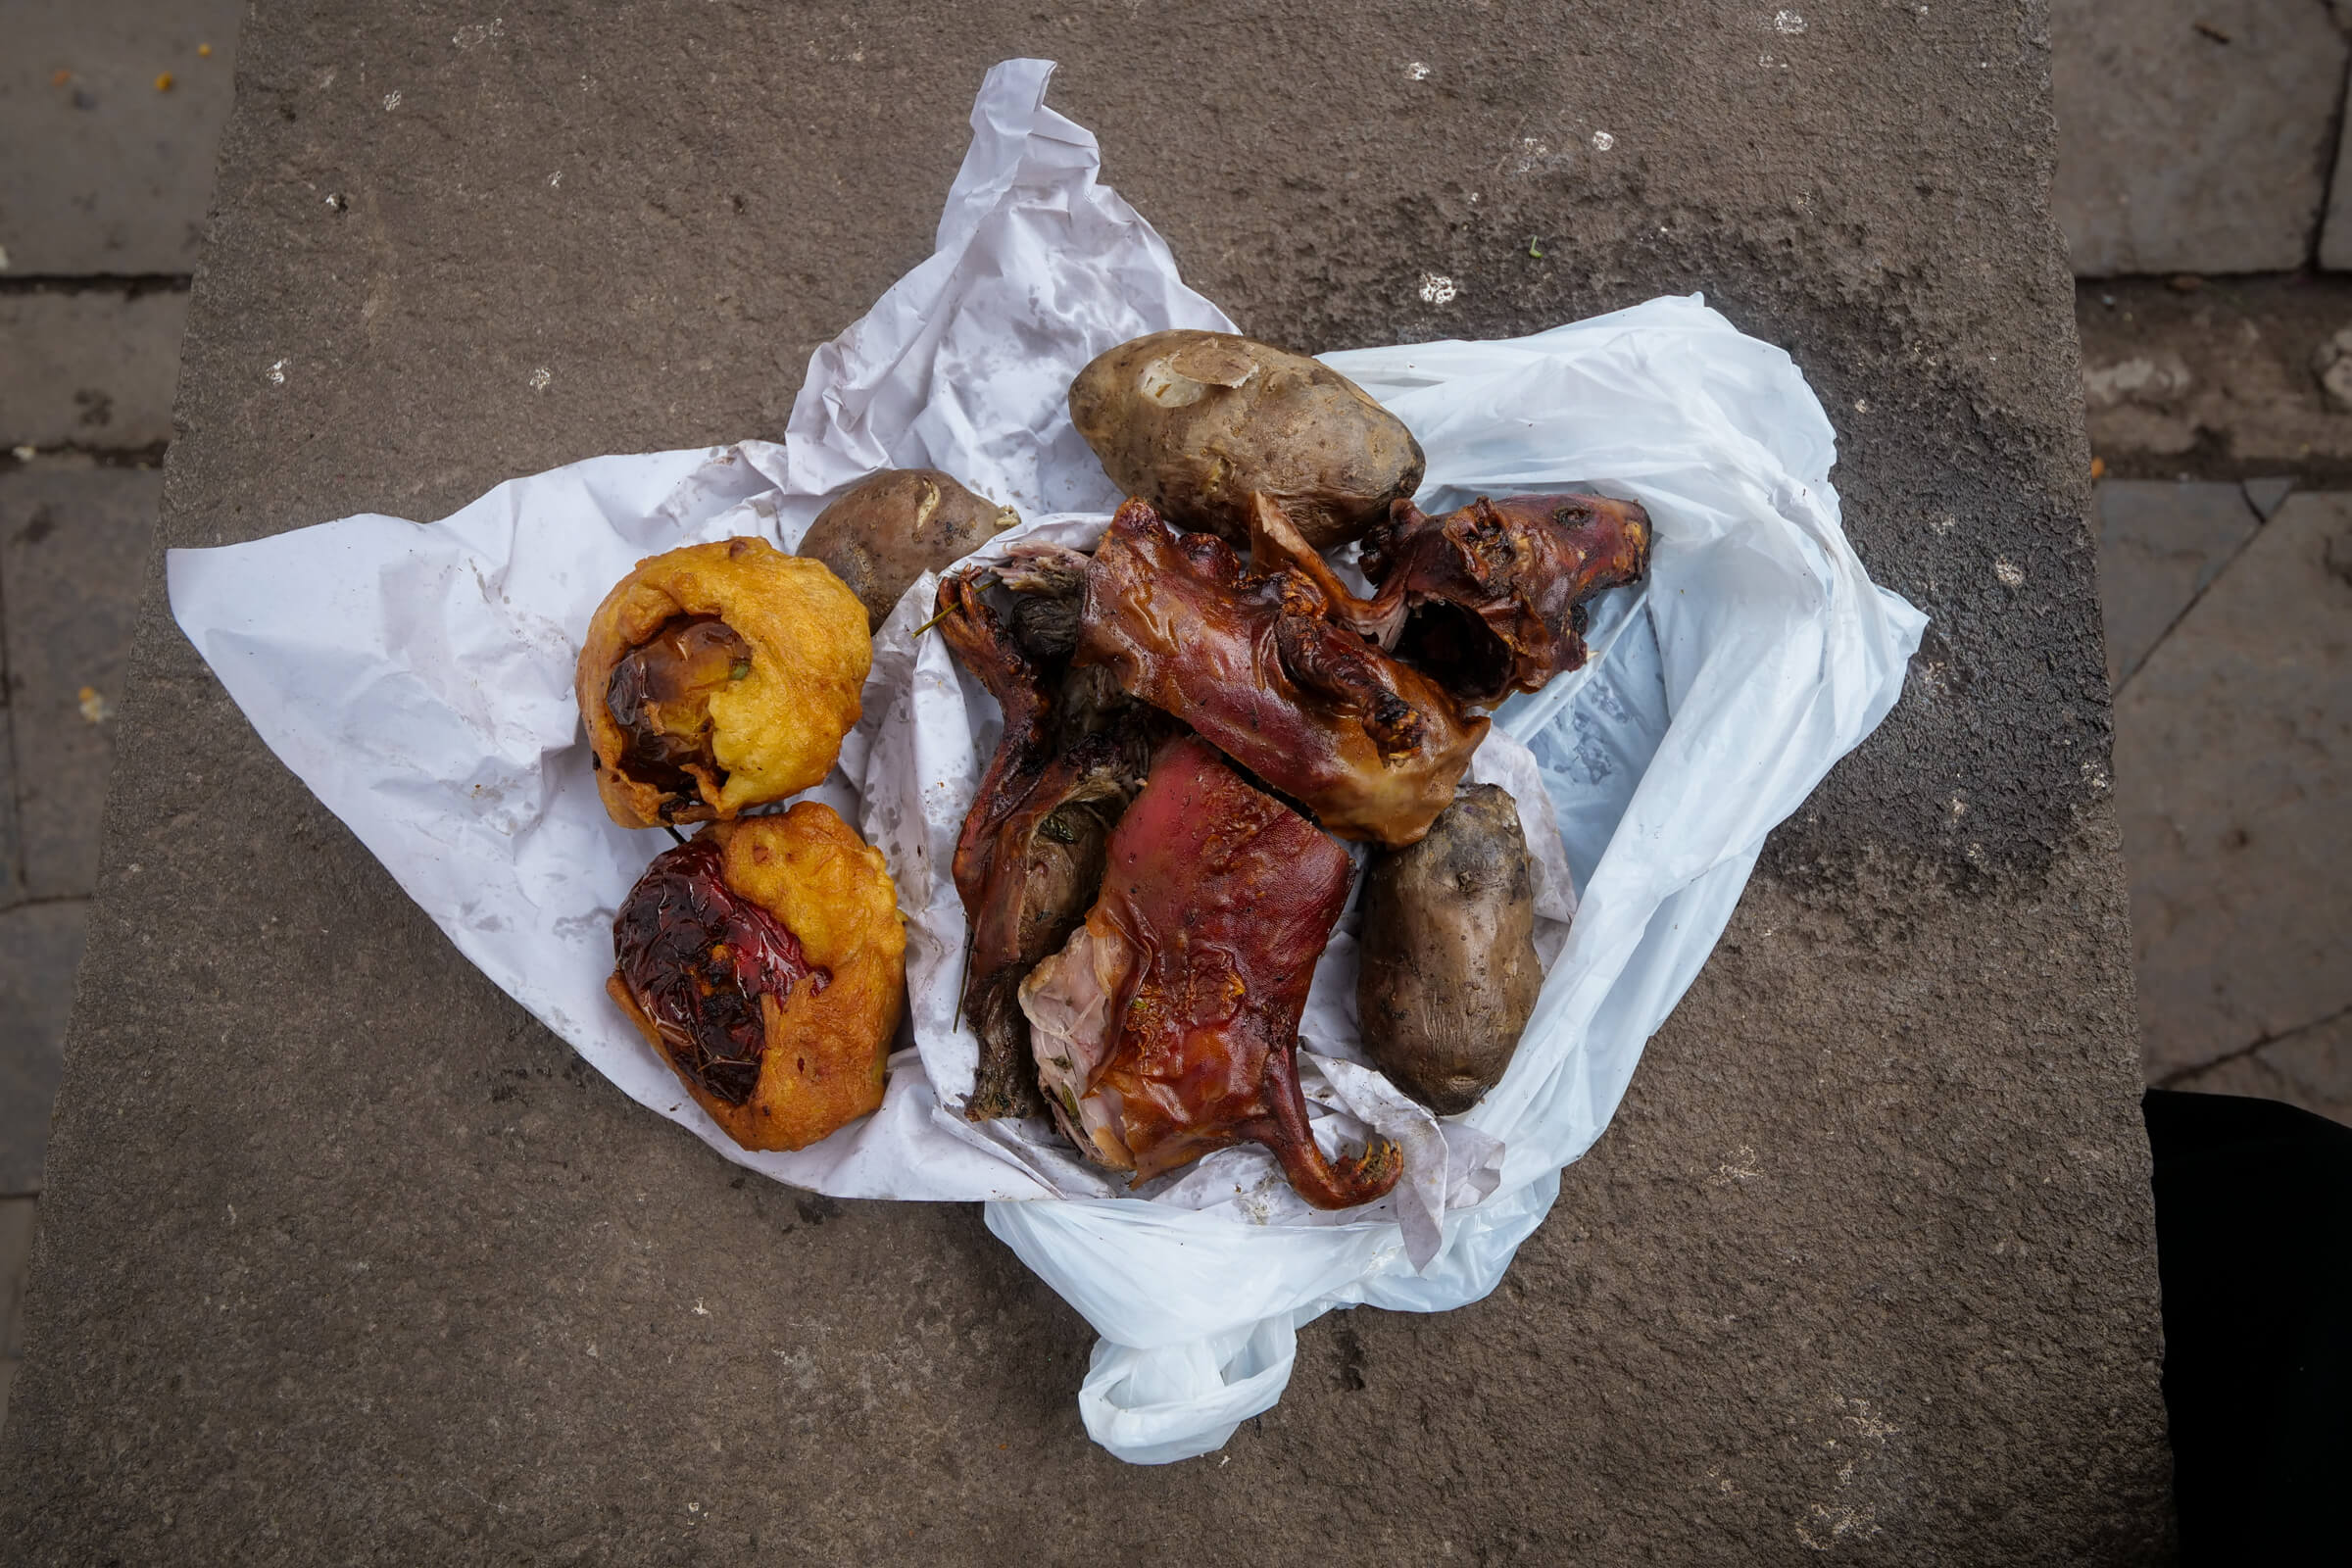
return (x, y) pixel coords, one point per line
(376, 1271)
(2234, 769)
(111, 111)
(106, 175)
(2195, 135)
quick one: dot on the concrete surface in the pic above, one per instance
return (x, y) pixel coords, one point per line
(71, 545)
(2233, 758)
(40, 947)
(109, 172)
(2195, 135)
(2335, 229)
(16, 1258)
(2216, 381)
(2160, 546)
(343, 1256)
(90, 368)
(2311, 1067)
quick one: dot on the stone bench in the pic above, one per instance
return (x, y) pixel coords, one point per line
(344, 1257)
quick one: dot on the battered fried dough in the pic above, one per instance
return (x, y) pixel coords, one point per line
(764, 959)
(719, 677)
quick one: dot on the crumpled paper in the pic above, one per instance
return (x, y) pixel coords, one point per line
(418, 679)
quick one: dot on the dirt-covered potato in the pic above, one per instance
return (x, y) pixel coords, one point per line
(1194, 421)
(890, 528)
(1450, 967)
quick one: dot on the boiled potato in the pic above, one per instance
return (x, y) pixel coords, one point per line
(1194, 421)
(1449, 969)
(889, 529)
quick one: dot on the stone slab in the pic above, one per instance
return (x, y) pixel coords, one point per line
(2233, 778)
(2160, 546)
(41, 949)
(16, 1267)
(90, 368)
(377, 1272)
(123, 172)
(2336, 229)
(2266, 495)
(2310, 1068)
(2216, 381)
(73, 544)
(2193, 135)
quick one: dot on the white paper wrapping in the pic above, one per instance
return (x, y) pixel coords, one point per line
(419, 680)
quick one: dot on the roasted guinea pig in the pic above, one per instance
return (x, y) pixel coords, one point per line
(765, 961)
(1254, 663)
(719, 677)
(1029, 859)
(1488, 598)
(1168, 1026)
(1194, 421)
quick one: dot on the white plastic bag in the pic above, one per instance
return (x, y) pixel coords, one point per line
(418, 681)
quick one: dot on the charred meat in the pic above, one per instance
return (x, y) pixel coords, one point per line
(1029, 859)
(1259, 665)
(1168, 1026)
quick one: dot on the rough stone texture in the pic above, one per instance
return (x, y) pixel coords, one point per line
(2193, 135)
(2310, 1068)
(124, 173)
(377, 1272)
(2233, 779)
(90, 368)
(72, 543)
(2159, 545)
(40, 945)
(2215, 382)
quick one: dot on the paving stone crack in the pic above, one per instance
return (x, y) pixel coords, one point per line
(2181, 1074)
(127, 286)
(2196, 599)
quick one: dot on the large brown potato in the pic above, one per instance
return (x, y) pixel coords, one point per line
(889, 529)
(1194, 421)
(1449, 969)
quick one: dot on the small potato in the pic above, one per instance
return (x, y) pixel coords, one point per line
(889, 529)
(1194, 421)
(1449, 969)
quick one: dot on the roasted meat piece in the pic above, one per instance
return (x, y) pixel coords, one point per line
(1256, 665)
(1168, 1026)
(1029, 859)
(764, 959)
(1494, 592)
(1490, 598)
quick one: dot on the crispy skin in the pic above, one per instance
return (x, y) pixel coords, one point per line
(1256, 664)
(1168, 1026)
(765, 961)
(1193, 422)
(1488, 599)
(718, 738)
(1029, 857)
